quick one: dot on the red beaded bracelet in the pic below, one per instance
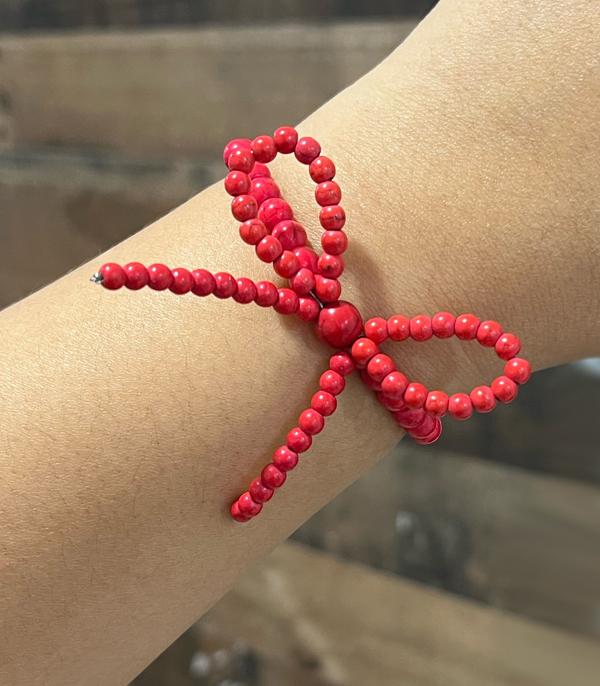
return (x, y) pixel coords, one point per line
(267, 222)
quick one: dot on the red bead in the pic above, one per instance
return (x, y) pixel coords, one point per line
(334, 242)
(273, 211)
(394, 384)
(324, 403)
(204, 282)
(308, 309)
(342, 363)
(398, 327)
(247, 506)
(113, 276)
(507, 346)
(339, 324)
(390, 403)
(483, 399)
(311, 422)
(287, 301)
(241, 160)
(237, 183)
(328, 193)
(263, 188)
(268, 249)
(263, 148)
(225, 285)
(266, 294)
(327, 290)
(369, 381)
(330, 266)
(272, 477)
(465, 327)
(259, 171)
(303, 282)
(182, 281)
(408, 417)
(332, 217)
(376, 329)
(285, 139)
(246, 291)
(442, 324)
(420, 328)
(236, 514)
(259, 492)
(287, 264)
(137, 276)
(415, 395)
(332, 382)
(518, 370)
(433, 436)
(298, 440)
(252, 231)
(308, 258)
(362, 351)
(379, 366)
(504, 389)
(236, 144)
(307, 149)
(321, 169)
(285, 459)
(159, 277)
(436, 403)
(488, 333)
(290, 234)
(460, 406)
(244, 207)
(425, 427)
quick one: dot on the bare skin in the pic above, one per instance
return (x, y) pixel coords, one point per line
(469, 163)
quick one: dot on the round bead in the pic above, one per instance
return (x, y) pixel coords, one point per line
(236, 514)
(311, 422)
(307, 149)
(285, 139)
(369, 381)
(159, 277)
(285, 459)
(328, 193)
(332, 217)
(436, 403)
(483, 399)
(259, 492)
(363, 350)
(266, 294)
(287, 264)
(237, 183)
(308, 309)
(342, 363)
(263, 188)
(518, 370)
(339, 324)
(488, 333)
(394, 384)
(330, 266)
(247, 506)
(415, 395)
(504, 389)
(298, 440)
(408, 417)
(259, 171)
(113, 276)
(225, 285)
(204, 282)
(308, 258)
(324, 403)
(244, 207)
(376, 329)
(465, 327)
(327, 290)
(398, 327)
(290, 234)
(425, 427)
(460, 406)
(433, 436)
(268, 249)
(379, 366)
(236, 144)
(442, 324)
(321, 169)
(273, 211)
(246, 291)
(137, 276)
(182, 281)
(241, 160)
(303, 281)
(420, 328)
(287, 301)
(507, 346)
(252, 231)
(272, 477)
(332, 382)
(263, 148)
(390, 403)
(334, 242)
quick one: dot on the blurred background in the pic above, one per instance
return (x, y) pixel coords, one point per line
(472, 562)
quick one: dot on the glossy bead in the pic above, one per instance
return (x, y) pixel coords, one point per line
(285, 139)
(332, 217)
(263, 148)
(379, 366)
(518, 370)
(488, 333)
(363, 350)
(204, 282)
(236, 514)
(483, 399)
(342, 363)
(436, 403)
(287, 264)
(376, 329)
(408, 417)
(339, 324)
(266, 294)
(433, 436)
(225, 285)
(307, 149)
(324, 403)
(247, 506)
(244, 207)
(415, 395)
(246, 291)
(420, 328)
(290, 234)
(268, 249)
(398, 327)
(285, 459)
(241, 160)
(298, 440)
(394, 384)
(328, 193)
(287, 301)
(272, 477)
(442, 324)
(252, 231)
(460, 406)
(330, 266)
(237, 183)
(327, 290)
(504, 389)
(273, 211)
(182, 281)
(113, 276)
(332, 382)
(465, 327)
(259, 171)
(136, 274)
(334, 242)
(507, 346)
(425, 427)
(262, 189)
(303, 281)
(308, 309)
(159, 277)
(236, 144)
(321, 169)
(311, 422)
(393, 404)
(308, 258)
(259, 492)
